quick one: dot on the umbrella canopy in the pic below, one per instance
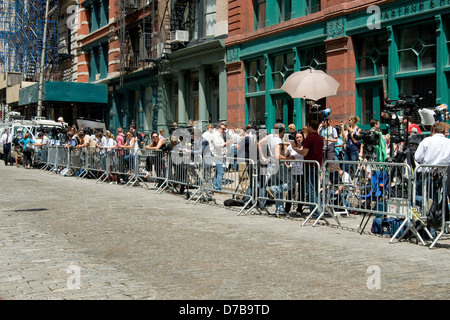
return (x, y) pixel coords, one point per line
(310, 84)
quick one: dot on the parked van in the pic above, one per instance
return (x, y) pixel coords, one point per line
(33, 127)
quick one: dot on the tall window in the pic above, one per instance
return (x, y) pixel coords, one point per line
(447, 27)
(372, 54)
(285, 8)
(193, 19)
(283, 66)
(260, 14)
(417, 47)
(312, 6)
(257, 111)
(210, 17)
(256, 76)
(314, 58)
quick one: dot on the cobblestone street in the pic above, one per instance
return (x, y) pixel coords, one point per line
(66, 238)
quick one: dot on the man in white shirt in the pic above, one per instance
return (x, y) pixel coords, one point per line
(436, 148)
(219, 151)
(433, 150)
(208, 133)
(6, 139)
(330, 137)
(279, 180)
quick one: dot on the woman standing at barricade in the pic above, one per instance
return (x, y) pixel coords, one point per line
(118, 164)
(108, 156)
(133, 145)
(297, 173)
(352, 146)
(156, 159)
(27, 149)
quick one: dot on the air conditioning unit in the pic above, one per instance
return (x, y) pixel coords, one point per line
(179, 36)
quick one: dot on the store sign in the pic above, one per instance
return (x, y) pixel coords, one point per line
(412, 8)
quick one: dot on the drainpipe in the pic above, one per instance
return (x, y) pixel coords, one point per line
(41, 77)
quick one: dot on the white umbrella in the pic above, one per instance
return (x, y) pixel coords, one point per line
(310, 84)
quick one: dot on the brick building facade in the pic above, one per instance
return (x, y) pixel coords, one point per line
(374, 49)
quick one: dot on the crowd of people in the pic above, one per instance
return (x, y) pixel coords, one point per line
(316, 142)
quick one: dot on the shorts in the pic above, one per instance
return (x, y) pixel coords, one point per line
(17, 152)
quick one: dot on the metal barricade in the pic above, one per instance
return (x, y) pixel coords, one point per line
(51, 158)
(108, 161)
(287, 183)
(430, 195)
(94, 162)
(183, 172)
(40, 157)
(375, 189)
(76, 160)
(229, 175)
(153, 165)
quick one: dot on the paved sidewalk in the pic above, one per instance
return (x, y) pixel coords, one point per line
(64, 238)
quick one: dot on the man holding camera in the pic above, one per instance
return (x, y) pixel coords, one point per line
(330, 137)
(380, 148)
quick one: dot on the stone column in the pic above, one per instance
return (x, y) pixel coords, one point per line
(202, 107)
(182, 114)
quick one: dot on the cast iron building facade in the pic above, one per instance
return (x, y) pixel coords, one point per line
(374, 49)
(163, 61)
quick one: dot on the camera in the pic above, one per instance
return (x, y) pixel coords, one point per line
(370, 140)
(322, 114)
(403, 103)
(368, 137)
(441, 113)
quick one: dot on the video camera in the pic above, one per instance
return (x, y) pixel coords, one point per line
(407, 103)
(370, 139)
(323, 114)
(441, 113)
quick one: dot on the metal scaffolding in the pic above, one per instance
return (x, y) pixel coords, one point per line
(22, 31)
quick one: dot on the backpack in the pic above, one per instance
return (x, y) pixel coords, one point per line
(434, 214)
(16, 138)
(233, 203)
(440, 203)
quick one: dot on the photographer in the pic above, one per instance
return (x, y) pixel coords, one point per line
(352, 146)
(330, 137)
(373, 144)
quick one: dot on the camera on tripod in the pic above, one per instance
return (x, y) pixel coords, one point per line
(403, 103)
(370, 139)
(323, 114)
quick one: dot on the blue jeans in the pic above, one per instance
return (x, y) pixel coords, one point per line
(217, 180)
(281, 181)
(312, 180)
(350, 156)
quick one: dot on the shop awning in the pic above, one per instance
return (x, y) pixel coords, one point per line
(60, 91)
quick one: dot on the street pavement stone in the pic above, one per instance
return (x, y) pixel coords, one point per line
(75, 239)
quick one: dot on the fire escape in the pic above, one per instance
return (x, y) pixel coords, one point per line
(146, 43)
(161, 30)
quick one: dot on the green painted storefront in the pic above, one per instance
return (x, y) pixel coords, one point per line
(399, 48)
(189, 85)
(68, 99)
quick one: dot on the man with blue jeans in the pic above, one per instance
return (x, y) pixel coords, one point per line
(280, 179)
(219, 151)
(312, 151)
